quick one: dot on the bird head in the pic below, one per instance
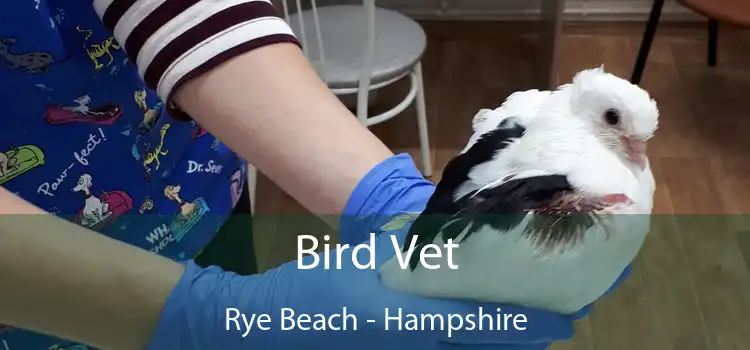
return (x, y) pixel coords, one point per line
(620, 113)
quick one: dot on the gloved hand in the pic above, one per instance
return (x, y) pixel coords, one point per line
(198, 316)
(195, 316)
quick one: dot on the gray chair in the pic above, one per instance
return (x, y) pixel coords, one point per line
(358, 49)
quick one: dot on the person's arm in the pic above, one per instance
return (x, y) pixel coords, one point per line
(64, 280)
(287, 123)
(267, 104)
(236, 68)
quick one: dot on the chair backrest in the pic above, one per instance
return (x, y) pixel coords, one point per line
(368, 44)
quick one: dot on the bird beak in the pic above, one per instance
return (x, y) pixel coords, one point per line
(636, 150)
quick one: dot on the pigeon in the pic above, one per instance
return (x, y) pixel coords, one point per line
(547, 204)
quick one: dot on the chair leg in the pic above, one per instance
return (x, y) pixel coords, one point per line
(713, 40)
(648, 37)
(252, 181)
(424, 143)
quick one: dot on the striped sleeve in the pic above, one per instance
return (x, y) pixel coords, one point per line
(171, 41)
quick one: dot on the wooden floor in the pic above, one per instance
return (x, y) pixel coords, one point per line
(690, 288)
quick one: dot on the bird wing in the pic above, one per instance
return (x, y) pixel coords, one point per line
(441, 206)
(494, 131)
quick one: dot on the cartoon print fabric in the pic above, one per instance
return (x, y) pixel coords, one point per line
(82, 137)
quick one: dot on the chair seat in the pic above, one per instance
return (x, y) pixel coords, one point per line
(399, 43)
(736, 12)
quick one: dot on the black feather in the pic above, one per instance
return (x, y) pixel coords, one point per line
(504, 207)
(508, 123)
(441, 207)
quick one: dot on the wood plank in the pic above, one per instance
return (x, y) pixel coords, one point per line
(722, 282)
(668, 285)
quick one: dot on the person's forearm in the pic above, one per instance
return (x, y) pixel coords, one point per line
(270, 106)
(236, 68)
(67, 281)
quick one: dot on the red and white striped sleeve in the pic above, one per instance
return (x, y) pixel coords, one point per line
(171, 41)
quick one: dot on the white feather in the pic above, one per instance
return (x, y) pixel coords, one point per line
(522, 105)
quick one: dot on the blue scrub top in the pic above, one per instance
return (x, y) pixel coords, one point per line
(82, 137)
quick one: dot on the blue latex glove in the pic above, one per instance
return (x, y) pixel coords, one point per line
(195, 315)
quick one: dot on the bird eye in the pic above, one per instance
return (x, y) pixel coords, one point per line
(612, 116)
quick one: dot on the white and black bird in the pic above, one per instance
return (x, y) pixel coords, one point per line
(528, 201)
